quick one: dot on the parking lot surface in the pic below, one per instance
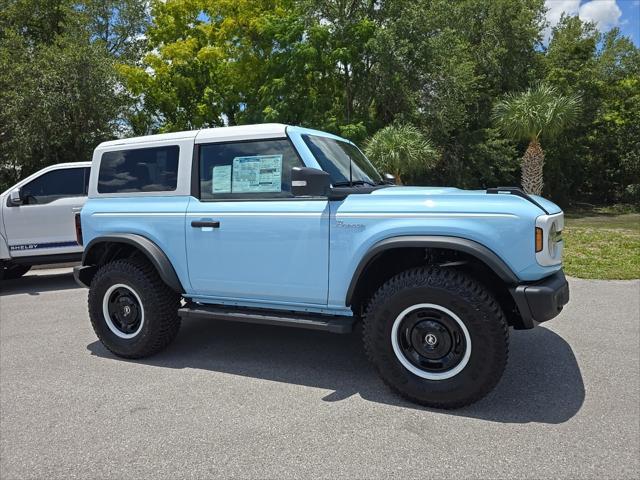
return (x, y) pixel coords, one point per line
(244, 401)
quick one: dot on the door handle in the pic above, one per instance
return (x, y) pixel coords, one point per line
(200, 224)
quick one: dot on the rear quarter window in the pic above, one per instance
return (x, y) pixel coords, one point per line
(140, 170)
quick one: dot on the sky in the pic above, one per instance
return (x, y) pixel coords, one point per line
(606, 14)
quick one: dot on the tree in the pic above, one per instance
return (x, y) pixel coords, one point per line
(119, 25)
(247, 61)
(596, 160)
(570, 66)
(440, 66)
(538, 111)
(401, 150)
(612, 163)
(59, 92)
(207, 60)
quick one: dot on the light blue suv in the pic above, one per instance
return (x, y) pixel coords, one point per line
(283, 225)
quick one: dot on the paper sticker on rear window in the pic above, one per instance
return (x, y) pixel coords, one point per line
(256, 174)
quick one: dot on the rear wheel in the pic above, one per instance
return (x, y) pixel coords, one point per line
(11, 271)
(133, 313)
(437, 337)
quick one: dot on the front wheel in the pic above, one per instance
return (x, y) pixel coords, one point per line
(437, 337)
(133, 313)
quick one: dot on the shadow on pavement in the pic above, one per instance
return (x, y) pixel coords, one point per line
(37, 282)
(542, 382)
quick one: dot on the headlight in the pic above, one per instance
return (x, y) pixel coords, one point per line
(548, 239)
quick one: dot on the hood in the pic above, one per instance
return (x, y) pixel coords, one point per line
(465, 198)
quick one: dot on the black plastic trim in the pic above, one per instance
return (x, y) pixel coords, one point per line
(542, 300)
(470, 247)
(195, 171)
(340, 193)
(517, 191)
(84, 274)
(205, 224)
(152, 251)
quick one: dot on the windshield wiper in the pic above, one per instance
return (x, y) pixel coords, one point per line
(354, 183)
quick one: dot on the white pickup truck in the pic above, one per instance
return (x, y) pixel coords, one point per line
(37, 218)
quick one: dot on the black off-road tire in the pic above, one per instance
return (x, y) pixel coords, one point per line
(473, 305)
(13, 271)
(159, 303)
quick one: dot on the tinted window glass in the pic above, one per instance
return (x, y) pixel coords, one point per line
(342, 160)
(66, 182)
(260, 169)
(139, 170)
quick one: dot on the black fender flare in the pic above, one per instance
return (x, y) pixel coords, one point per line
(475, 249)
(152, 251)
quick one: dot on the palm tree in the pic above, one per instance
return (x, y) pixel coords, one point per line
(539, 111)
(401, 150)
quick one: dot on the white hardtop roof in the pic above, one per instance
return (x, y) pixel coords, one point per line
(219, 134)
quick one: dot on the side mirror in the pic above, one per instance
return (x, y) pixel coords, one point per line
(389, 179)
(309, 182)
(15, 197)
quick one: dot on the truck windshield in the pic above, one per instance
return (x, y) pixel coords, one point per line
(335, 157)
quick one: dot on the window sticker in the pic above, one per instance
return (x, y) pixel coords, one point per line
(255, 174)
(221, 179)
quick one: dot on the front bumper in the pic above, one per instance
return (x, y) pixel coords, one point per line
(542, 300)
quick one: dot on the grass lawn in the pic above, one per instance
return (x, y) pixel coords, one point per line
(602, 245)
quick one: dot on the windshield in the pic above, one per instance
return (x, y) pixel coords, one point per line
(333, 157)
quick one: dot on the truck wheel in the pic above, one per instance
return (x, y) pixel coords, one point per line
(133, 313)
(12, 271)
(437, 337)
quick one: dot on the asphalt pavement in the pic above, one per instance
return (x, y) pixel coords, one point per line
(244, 401)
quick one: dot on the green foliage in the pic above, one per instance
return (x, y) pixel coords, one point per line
(495, 161)
(602, 246)
(540, 110)
(597, 160)
(119, 25)
(236, 62)
(59, 91)
(401, 150)
(441, 66)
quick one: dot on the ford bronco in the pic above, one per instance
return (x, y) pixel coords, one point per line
(283, 225)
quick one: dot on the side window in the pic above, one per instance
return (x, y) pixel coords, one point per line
(139, 170)
(62, 183)
(255, 169)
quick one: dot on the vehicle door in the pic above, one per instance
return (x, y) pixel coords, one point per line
(248, 237)
(44, 223)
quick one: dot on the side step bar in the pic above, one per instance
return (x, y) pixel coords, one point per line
(327, 323)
